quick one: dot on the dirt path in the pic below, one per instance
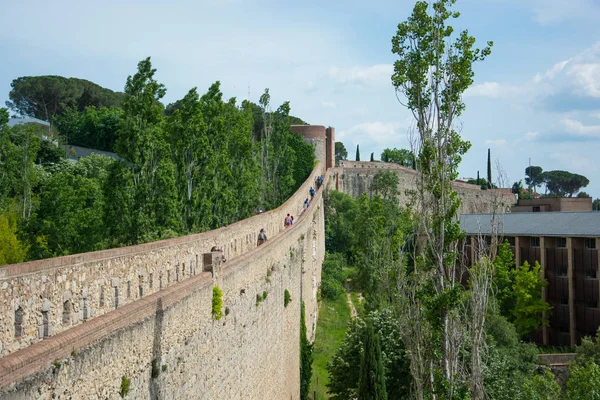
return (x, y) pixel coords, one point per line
(353, 312)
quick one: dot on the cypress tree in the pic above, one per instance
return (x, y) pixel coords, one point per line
(372, 158)
(489, 171)
(306, 358)
(371, 383)
(478, 182)
(357, 153)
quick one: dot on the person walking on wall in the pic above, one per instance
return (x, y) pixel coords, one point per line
(287, 221)
(262, 237)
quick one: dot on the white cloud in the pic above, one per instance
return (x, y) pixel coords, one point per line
(552, 72)
(531, 136)
(362, 75)
(375, 135)
(493, 90)
(576, 128)
(328, 104)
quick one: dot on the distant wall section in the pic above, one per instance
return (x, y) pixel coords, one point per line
(356, 177)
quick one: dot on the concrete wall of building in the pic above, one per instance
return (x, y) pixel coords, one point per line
(355, 178)
(251, 353)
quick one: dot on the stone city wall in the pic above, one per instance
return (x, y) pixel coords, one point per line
(169, 346)
(355, 178)
(42, 298)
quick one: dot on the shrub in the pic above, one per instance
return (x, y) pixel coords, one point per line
(125, 385)
(155, 370)
(217, 303)
(287, 298)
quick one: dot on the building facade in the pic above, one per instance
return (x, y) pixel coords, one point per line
(566, 246)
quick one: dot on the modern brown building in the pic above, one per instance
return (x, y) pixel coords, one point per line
(545, 204)
(566, 246)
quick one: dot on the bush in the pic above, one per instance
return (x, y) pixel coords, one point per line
(217, 303)
(125, 384)
(332, 277)
(287, 298)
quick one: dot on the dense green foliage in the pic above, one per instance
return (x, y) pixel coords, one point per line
(403, 157)
(217, 303)
(198, 167)
(340, 152)
(558, 183)
(332, 276)
(343, 372)
(530, 310)
(44, 97)
(306, 357)
(95, 128)
(371, 381)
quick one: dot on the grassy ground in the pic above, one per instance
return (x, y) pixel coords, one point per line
(331, 330)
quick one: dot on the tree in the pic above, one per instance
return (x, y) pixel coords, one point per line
(583, 194)
(93, 127)
(345, 377)
(564, 183)
(534, 177)
(306, 357)
(517, 187)
(44, 97)
(340, 152)
(385, 183)
(596, 205)
(489, 170)
(141, 198)
(372, 159)
(530, 311)
(542, 386)
(478, 182)
(433, 69)
(11, 249)
(357, 153)
(403, 157)
(584, 382)
(371, 383)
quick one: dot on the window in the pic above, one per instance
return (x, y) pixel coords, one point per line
(66, 319)
(534, 242)
(564, 301)
(102, 296)
(488, 240)
(128, 289)
(590, 303)
(536, 209)
(19, 322)
(563, 329)
(590, 273)
(562, 270)
(116, 296)
(510, 240)
(150, 281)
(141, 286)
(590, 243)
(86, 311)
(561, 242)
(45, 324)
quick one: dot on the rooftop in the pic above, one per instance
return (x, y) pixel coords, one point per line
(535, 223)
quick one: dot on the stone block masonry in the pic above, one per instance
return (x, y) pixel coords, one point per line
(168, 345)
(42, 298)
(355, 178)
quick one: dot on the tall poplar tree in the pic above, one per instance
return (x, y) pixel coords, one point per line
(141, 195)
(489, 170)
(433, 69)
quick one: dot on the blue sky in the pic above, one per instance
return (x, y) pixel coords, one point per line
(537, 96)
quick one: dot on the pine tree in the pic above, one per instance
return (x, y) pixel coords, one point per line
(371, 384)
(357, 153)
(489, 171)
